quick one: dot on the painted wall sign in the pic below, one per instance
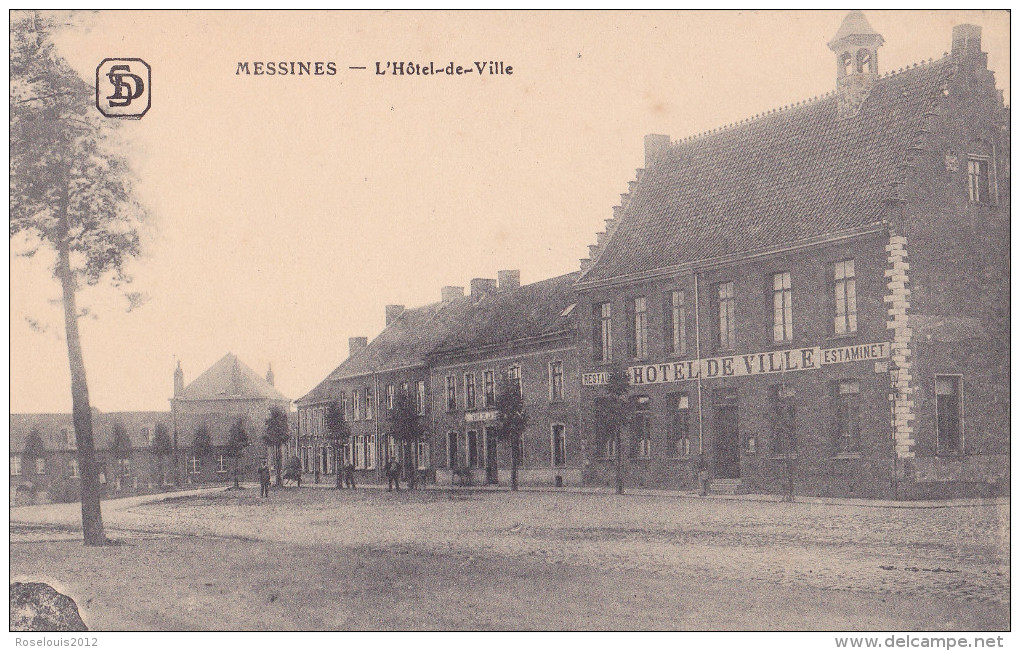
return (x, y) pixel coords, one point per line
(477, 416)
(766, 363)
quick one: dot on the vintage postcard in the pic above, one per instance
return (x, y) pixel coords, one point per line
(511, 320)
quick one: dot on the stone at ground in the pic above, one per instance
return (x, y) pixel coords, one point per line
(38, 607)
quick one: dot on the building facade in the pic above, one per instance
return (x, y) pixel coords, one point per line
(814, 299)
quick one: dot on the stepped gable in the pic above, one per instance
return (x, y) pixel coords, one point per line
(791, 175)
(230, 378)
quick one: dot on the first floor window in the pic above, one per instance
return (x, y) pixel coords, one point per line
(783, 439)
(343, 404)
(369, 403)
(674, 319)
(602, 334)
(451, 393)
(68, 436)
(472, 449)
(845, 296)
(390, 393)
(639, 344)
(469, 390)
(559, 445)
(147, 435)
(357, 404)
(726, 337)
(40, 466)
(782, 307)
(679, 435)
(515, 379)
(490, 389)
(15, 464)
(611, 448)
(977, 180)
(125, 467)
(423, 455)
(194, 465)
(221, 463)
(948, 415)
(421, 397)
(556, 380)
(848, 416)
(73, 469)
(452, 459)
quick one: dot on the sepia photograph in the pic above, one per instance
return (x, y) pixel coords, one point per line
(494, 321)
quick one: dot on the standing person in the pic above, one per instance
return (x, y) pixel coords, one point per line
(264, 480)
(388, 469)
(395, 468)
(349, 475)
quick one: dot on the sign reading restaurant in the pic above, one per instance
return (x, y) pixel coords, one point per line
(776, 361)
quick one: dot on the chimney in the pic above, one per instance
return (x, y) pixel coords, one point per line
(270, 378)
(355, 345)
(655, 145)
(480, 286)
(392, 312)
(178, 379)
(509, 278)
(450, 292)
(966, 39)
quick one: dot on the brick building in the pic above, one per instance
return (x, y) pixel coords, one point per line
(817, 295)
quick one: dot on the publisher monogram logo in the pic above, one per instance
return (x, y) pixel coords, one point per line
(123, 88)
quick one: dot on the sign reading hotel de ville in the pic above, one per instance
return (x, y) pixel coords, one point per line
(764, 363)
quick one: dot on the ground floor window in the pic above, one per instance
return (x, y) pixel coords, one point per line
(124, 467)
(221, 463)
(359, 452)
(472, 449)
(15, 464)
(370, 452)
(641, 427)
(611, 448)
(72, 468)
(948, 414)
(559, 445)
(451, 450)
(848, 434)
(423, 455)
(194, 465)
(783, 439)
(678, 436)
(40, 466)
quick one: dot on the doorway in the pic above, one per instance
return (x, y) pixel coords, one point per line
(491, 472)
(727, 435)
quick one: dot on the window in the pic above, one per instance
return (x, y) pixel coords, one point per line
(452, 459)
(221, 463)
(639, 342)
(845, 294)
(556, 380)
(147, 435)
(343, 404)
(391, 391)
(678, 441)
(674, 320)
(611, 448)
(357, 404)
(370, 452)
(727, 333)
(369, 403)
(847, 416)
(40, 466)
(68, 435)
(473, 460)
(783, 441)
(559, 445)
(124, 466)
(423, 455)
(514, 375)
(73, 469)
(404, 388)
(490, 388)
(782, 307)
(469, 390)
(391, 447)
(451, 393)
(602, 332)
(641, 427)
(977, 180)
(948, 415)
(421, 397)
(194, 465)
(359, 452)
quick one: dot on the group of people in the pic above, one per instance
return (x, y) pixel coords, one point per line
(392, 469)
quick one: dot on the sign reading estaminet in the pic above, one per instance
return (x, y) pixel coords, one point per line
(776, 361)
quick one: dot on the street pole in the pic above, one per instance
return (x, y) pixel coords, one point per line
(894, 370)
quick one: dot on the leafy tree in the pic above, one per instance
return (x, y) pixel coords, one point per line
(162, 448)
(613, 413)
(70, 194)
(120, 445)
(277, 433)
(337, 433)
(201, 443)
(406, 426)
(511, 421)
(34, 446)
(236, 444)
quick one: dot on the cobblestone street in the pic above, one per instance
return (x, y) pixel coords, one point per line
(950, 563)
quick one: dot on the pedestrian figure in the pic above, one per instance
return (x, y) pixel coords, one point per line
(349, 475)
(395, 469)
(702, 479)
(388, 469)
(264, 480)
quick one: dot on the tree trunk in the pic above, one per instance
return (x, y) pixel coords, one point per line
(237, 470)
(619, 463)
(278, 455)
(513, 463)
(91, 513)
(338, 465)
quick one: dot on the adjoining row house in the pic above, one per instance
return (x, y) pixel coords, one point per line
(43, 452)
(814, 299)
(818, 296)
(449, 357)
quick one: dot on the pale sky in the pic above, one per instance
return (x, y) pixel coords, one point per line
(288, 211)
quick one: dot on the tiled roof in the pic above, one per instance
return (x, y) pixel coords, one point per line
(419, 333)
(788, 176)
(51, 428)
(230, 378)
(524, 313)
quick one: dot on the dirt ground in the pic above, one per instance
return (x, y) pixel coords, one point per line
(318, 559)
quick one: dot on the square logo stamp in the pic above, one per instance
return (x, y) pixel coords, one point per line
(123, 88)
